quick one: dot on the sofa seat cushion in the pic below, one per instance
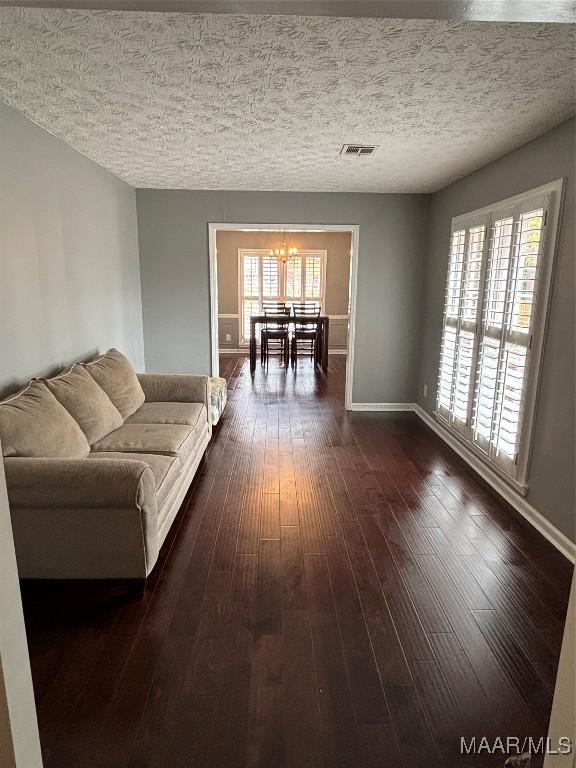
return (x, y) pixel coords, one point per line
(163, 439)
(185, 414)
(86, 402)
(165, 468)
(115, 374)
(33, 424)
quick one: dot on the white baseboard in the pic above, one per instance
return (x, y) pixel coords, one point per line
(382, 406)
(562, 543)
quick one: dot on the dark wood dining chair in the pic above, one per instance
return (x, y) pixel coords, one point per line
(305, 331)
(275, 335)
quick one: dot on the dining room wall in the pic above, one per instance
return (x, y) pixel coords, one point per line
(337, 246)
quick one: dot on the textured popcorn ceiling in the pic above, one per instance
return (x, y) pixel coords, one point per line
(265, 102)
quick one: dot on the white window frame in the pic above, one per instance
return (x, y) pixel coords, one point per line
(549, 196)
(282, 282)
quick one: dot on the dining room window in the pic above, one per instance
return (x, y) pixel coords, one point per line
(265, 278)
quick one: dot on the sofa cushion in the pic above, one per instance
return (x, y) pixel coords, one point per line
(115, 374)
(86, 402)
(34, 424)
(186, 414)
(165, 468)
(164, 439)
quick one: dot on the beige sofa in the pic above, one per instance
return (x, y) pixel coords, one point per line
(98, 461)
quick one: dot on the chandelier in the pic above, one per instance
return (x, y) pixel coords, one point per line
(284, 251)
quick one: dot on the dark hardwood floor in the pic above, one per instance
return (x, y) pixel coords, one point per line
(339, 591)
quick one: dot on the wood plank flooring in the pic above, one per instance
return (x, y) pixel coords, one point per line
(339, 591)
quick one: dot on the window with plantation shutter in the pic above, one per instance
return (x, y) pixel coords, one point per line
(263, 278)
(499, 274)
(304, 277)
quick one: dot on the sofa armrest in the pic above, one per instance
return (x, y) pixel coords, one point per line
(79, 484)
(83, 518)
(175, 388)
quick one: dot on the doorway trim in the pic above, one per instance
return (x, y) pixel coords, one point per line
(354, 230)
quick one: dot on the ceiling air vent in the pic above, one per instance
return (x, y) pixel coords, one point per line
(357, 149)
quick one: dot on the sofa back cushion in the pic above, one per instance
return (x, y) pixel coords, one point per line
(34, 424)
(86, 402)
(115, 374)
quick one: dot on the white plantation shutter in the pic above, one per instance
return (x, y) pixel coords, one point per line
(313, 278)
(468, 328)
(485, 391)
(293, 288)
(250, 290)
(448, 350)
(249, 307)
(251, 276)
(304, 277)
(460, 333)
(496, 289)
(509, 400)
(447, 368)
(493, 312)
(270, 278)
(464, 366)
(524, 268)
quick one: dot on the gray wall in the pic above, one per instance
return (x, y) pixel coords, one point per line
(551, 476)
(69, 267)
(173, 236)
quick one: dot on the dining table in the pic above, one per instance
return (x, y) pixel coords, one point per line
(322, 335)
